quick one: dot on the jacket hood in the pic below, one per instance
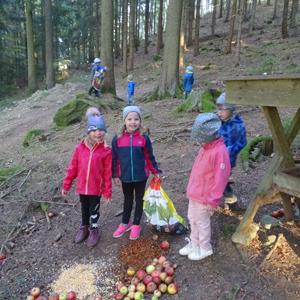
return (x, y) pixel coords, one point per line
(214, 144)
(235, 119)
(93, 64)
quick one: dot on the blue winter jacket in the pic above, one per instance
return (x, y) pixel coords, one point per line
(234, 135)
(188, 81)
(130, 87)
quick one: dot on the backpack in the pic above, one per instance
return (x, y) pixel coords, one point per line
(97, 81)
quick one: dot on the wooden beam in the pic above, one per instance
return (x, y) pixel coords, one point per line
(275, 90)
(287, 207)
(269, 198)
(286, 183)
(294, 127)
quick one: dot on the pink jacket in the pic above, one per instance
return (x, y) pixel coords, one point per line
(210, 174)
(92, 167)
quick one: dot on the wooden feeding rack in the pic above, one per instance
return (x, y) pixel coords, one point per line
(282, 178)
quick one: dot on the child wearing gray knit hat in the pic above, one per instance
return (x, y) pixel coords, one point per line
(207, 182)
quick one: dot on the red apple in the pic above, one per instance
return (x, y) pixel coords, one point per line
(54, 296)
(141, 288)
(161, 260)
(131, 288)
(140, 274)
(35, 292)
(159, 267)
(120, 285)
(155, 273)
(147, 279)
(130, 271)
(119, 296)
(151, 287)
(281, 211)
(163, 276)
(168, 280)
(166, 264)
(169, 271)
(172, 288)
(157, 280)
(163, 287)
(71, 296)
(31, 298)
(135, 281)
(164, 245)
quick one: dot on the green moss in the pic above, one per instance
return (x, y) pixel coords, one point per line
(181, 81)
(30, 135)
(156, 58)
(207, 104)
(5, 173)
(166, 95)
(81, 96)
(245, 153)
(46, 93)
(153, 96)
(183, 106)
(178, 92)
(216, 96)
(206, 68)
(71, 113)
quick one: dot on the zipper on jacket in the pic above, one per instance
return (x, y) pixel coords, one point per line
(131, 156)
(88, 170)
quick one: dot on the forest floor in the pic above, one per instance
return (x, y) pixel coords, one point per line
(37, 260)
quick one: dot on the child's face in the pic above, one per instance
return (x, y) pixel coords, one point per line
(186, 71)
(132, 122)
(97, 136)
(224, 113)
(201, 144)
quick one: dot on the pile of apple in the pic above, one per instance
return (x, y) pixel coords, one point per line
(35, 295)
(156, 279)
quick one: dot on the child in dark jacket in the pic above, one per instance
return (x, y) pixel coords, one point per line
(91, 164)
(130, 89)
(188, 81)
(133, 160)
(234, 135)
(96, 70)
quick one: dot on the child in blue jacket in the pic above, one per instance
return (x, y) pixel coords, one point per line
(234, 135)
(188, 81)
(96, 67)
(130, 89)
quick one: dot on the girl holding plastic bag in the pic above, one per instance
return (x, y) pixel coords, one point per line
(207, 182)
(132, 162)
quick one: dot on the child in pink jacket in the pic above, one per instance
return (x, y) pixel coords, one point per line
(207, 182)
(91, 164)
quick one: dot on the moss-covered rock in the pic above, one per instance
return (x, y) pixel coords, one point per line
(30, 135)
(166, 95)
(183, 106)
(152, 97)
(207, 103)
(178, 92)
(81, 96)
(71, 113)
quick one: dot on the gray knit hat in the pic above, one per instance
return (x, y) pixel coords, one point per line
(205, 128)
(129, 77)
(129, 109)
(190, 68)
(221, 100)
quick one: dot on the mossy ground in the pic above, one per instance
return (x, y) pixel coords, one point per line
(30, 135)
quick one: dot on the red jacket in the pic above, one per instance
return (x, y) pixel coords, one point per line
(92, 167)
(210, 174)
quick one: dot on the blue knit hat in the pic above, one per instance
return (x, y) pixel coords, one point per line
(94, 120)
(190, 68)
(129, 109)
(221, 100)
(205, 128)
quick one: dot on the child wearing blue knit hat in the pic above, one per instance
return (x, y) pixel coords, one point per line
(188, 81)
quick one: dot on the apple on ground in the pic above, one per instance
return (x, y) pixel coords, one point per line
(157, 293)
(71, 296)
(159, 267)
(150, 269)
(168, 280)
(131, 288)
(163, 276)
(155, 259)
(140, 274)
(147, 279)
(151, 287)
(164, 245)
(98, 298)
(166, 264)
(156, 273)
(130, 271)
(119, 296)
(154, 298)
(120, 285)
(30, 297)
(155, 237)
(62, 296)
(126, 298)
(135, 281)
(157, 280)
(35, 292)
(169, 271)
(163, 287)
(138, 296)
(161, 260)
(153, 263)
(172, 288)
(41, 298)
(124, 290)
(131, 295)
(141, 288)
(54, 296)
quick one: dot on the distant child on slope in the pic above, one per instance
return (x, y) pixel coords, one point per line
(91, 164)
(188, 81)
(97, 77)
(207, 182)
(130, 90)
(234, 135)
(132, 162)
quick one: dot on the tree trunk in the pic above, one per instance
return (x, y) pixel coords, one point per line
(197, 29)
(107, 35)
(275, 10)
(154, 17)
(259, 2)
(245, 19)
(131, 34)
(50, 80)
(191, 13)
(221, 9)
(117, 42)
(252, 18)
(227, 11)
(91, 29)
(97, 31)
(182, 35)
(231, 27)
(239, 32)
(284, 19)
(146, 27)
(125, 29)
(170, 68)
(214, 17)
(32, 82)
(294, 11)
(121, 28)
(269, 2)
(160, 27)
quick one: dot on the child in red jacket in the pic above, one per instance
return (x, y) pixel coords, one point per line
(208, 179)
(91, 164)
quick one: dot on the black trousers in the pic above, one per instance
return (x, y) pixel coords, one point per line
(93, 89)
(228, 192)
(90, 208)
(128, 189)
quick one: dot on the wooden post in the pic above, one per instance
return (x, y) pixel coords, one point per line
(287, 207)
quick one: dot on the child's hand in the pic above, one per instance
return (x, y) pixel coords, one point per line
(64, 193)
(107, 200)
(156, 176)
(117, 182)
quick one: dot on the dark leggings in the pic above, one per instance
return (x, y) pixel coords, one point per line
(90, 207)
(128, 189)
(92, 89)
(228, 192)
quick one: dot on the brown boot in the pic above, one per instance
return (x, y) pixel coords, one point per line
(82, 233)
(93, 238)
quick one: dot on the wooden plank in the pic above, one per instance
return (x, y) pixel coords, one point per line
(279, 137)
(269, 198)
(294, 128)
(287, 183)
(279, 92)
(295, 171)
(287, 207)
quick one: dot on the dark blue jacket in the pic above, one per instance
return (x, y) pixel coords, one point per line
(188, 81)
(234, 135)
(132, 157)
(130, 87)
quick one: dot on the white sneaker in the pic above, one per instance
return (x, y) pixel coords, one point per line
(199, 254)
(189, 248)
